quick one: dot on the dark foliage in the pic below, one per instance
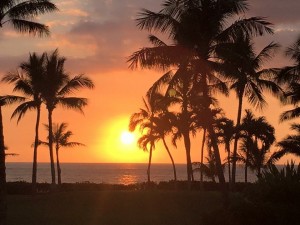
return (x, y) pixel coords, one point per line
(272, 200)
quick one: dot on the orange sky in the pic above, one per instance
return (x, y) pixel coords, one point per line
(96, 37)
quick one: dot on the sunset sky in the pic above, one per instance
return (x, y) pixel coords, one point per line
(97, 36)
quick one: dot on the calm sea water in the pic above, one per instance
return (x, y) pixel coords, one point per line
(112, 173)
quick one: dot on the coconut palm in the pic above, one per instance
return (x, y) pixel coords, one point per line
(289, 145)
(28, 82)
(57, 87)
(258, 158)
(244, 69)
(144, 119)
(226, 132)
(289, 77)
(61, 138)
(4, 100)
(257, 137)
(209, 168)
(194, 41)
(20, 15)
(163, 125)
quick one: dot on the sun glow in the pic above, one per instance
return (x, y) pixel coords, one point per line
(127, 138)
(120, 145)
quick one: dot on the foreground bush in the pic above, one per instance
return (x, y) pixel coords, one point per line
(273, 200)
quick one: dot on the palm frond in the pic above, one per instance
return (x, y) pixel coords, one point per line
(290, 114)
(254, 26)
(266, 54)
(75, 83)
(73, 103)
(31, 8)
(36, 29)
(22, 109)
(156, 41)
(11, 99)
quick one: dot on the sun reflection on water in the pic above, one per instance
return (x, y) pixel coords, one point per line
(128, 179)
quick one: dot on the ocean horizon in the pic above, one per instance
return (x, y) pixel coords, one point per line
(110, 173)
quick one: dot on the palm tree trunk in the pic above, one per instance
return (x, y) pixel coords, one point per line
(228, 160)
(202, 155)
(235, 145)
(3, 201)
(187, 144)
(149, 164)
(58, 166)
(246, 166)
(217, 154)
(36, 143)
(220, 173)
(173, 164)
(51, 148)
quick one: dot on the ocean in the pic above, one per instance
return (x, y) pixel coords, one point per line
(110, 173)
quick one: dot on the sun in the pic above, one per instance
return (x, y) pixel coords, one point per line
(127, 138)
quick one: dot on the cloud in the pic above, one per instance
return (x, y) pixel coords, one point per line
(277, 11)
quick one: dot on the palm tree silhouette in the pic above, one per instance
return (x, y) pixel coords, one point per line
(20, 14)
(57, 86)
(61, 138)
(289, 76)
(289, 145)
(252, 131)
(144, 119)
(226, 133)
(244, 69)
(163, 125)
(4, 100)
(29, 83)
(194, 41)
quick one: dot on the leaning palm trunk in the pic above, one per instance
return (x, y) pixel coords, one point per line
(51, 147)
(36, 143)
(149, 164)
(238, 123)
(169, 153)
(3, 201)
(58, 167)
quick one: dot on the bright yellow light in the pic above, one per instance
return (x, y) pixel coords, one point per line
(127, 138)
(118, 144)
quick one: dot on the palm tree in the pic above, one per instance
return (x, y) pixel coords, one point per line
(257, 137)
(163, 125)
(28, 82)
(57, 86)
(20, 15)
(257, 157)
(144, 119)
(226, 133)
(289, 145)
(194, 41)
(61, 138)
(4, 100)
(244, 69)
(209, 168)
(289, 77)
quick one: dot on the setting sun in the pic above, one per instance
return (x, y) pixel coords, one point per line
(127, 137)
(120, 145)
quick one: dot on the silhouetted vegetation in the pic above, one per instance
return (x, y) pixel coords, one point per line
(273, 199)
(21, 15)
